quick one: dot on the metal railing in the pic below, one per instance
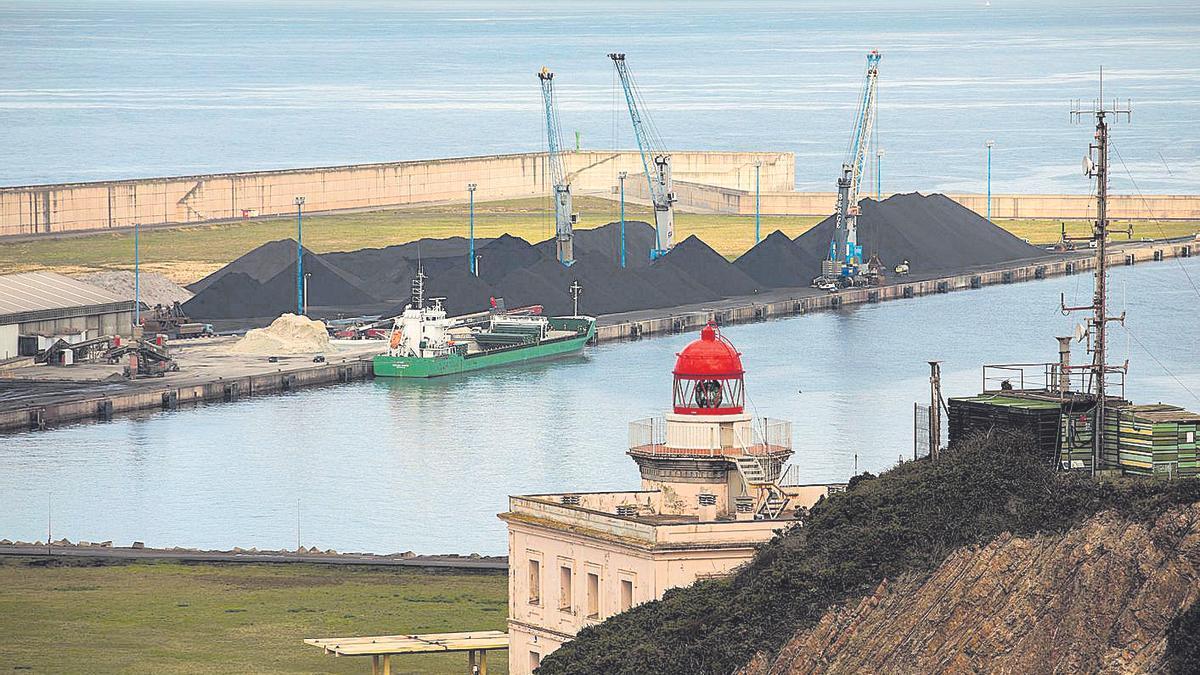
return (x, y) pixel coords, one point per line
(1045, 377)
(768, 436)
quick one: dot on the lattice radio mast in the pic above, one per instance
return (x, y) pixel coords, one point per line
(1095, 165)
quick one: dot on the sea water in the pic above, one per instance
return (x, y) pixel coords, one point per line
(124, 88)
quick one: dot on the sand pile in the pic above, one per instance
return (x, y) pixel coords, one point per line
(289, 334)
(935, 234)
(154, 289)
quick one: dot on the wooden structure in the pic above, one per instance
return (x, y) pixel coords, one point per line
(381, 648)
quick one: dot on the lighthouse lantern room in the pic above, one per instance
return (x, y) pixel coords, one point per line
(708, 456)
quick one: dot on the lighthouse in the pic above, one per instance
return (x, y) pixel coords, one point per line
(707, 456)
(713, 491)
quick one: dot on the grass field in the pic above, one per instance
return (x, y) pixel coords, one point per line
(61, 615)
(188, 253)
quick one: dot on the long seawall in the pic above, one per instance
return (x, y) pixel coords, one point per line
(74, 207)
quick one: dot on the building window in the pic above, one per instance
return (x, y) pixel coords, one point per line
(626, 594)
(535, 582)
(593, 596)
(565, 601)
(535, 660)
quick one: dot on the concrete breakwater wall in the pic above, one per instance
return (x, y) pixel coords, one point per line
(694, 196)
(146, 395)
(48, 209)
(1127, 254)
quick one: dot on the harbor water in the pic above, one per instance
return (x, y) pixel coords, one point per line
(396, 465)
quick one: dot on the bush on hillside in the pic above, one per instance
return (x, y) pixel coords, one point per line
(907, 519)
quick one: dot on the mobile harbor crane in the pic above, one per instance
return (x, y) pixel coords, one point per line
(655, 162)
(843, 268)
(564, 220)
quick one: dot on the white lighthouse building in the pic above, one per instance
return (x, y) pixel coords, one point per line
(711, 491)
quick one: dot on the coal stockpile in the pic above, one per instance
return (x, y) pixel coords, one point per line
(776, 262)
(239, 295)
(933, 233)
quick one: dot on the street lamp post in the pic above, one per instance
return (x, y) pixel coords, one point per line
(621, 177)
(757, 219)
(474, 269)
(299, 201)
(989, 144)
(879, 174)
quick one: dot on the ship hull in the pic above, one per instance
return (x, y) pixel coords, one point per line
(453, 364)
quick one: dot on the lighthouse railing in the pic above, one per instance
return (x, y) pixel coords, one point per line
(767, 437)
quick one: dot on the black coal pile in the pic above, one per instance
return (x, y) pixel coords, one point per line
(260, 264)
(239, 295)
(776, 262)
(933, 233)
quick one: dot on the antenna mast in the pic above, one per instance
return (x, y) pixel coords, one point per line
(1095, 165)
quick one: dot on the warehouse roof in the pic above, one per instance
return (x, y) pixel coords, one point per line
(35, 296)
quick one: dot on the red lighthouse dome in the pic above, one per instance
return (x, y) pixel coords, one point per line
(709, 376)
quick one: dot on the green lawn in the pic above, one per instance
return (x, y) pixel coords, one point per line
(74, 615)
(190, 252)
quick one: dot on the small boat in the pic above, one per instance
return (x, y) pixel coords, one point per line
(424, 342)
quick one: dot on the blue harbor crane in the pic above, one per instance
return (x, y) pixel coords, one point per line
(843, 268)
(655, 162)
(564, 220)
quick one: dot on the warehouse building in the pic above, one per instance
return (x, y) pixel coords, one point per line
(36, 308)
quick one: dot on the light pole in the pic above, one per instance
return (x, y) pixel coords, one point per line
(299, 201)
(306, 276)
(137, 277)
(989, 145)
(621, 177)
(879, 175)
(757, 219)
(471, 266)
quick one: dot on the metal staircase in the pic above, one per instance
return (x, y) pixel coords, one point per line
(758, 475)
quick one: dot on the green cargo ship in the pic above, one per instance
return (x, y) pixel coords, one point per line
(424, 342)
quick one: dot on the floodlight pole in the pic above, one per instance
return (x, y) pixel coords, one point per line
(137, 277)
(989, 144)
(879, 175)
(306, 276)
(621, 177)
(474, 269)
(757, 218)
(300, 308)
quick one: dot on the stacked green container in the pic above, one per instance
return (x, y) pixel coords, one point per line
(1153, 440)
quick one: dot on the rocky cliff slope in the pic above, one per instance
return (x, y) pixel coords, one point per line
(1098, 598)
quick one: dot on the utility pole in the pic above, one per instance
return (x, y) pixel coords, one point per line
(137, 277)
(576, 289)
(299, 201)
(989, 145)
(757, 222)
(935, 409)
(1095, 165)
(621, 177)
(471, 229)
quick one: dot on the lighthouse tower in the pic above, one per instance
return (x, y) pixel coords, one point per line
(707, 456)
